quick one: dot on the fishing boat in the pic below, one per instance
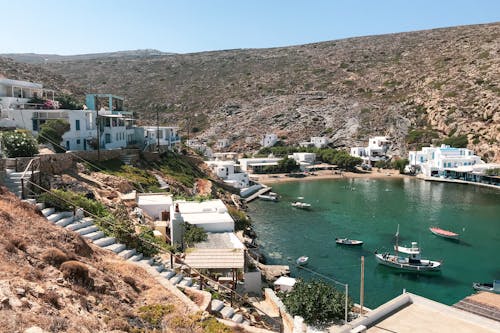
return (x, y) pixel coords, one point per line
(301, 205)
(346, 241)
(410, 261)
(268, 197)
(301, 261)
(490, 287)
(443, 233)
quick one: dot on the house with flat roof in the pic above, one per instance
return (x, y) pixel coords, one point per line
(269, 140)
(166, 136)
(316, 141)
(257, 164)
(375, 151)
(211, 215)
(229, 171)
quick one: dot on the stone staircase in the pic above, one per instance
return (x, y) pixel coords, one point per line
(127, 159)
(13, 181)
(87, 229)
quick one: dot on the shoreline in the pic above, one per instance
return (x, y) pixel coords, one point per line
(327, 174)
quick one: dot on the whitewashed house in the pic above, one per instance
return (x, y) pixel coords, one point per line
(436, 161)
(211, 215)
(269, 140)
(230, 172)
(256, 164)
(167, 136)
(316, 141)
(375, 151)
(223, 143)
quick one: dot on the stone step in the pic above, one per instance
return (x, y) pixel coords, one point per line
(168, 274)
(78, 225)
(30, 201)
(40, 206)
(237, 318)
(88, 230)
(116, 248)
(65, 221)
(146, 261)
(159, 267)
(48, 211)
(227, 312)
(102, 242)
(127, 253)
(93, 236)
(59, 215)
(186, 282)
(136, 257)
(217, 305)
(176, 279)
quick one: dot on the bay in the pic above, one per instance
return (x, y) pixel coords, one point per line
(370, 210)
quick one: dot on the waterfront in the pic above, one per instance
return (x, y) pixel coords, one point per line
(370, 210)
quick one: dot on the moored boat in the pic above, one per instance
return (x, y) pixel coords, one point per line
(268, 197)
(490, 287)
(443, 233)
(301, 205)
(410, 261)
(346, 241)
(301, 261)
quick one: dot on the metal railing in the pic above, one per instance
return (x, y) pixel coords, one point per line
(33, 165)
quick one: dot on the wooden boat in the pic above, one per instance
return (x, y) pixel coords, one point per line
(411, 261)
(443, 233)
(301, 205)
(301, 261)
(346, 241)
(490, 287)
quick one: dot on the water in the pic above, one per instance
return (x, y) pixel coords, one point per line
(370, 210)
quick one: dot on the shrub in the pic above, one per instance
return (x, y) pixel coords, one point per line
(456, 141)
(54, 257)
(241, 220)
(52, 298)
(131, 282)
(69, 102)
(153, 314)
(400, 164)
(211, 325)
(52, 131)
(19, 243)
(18, 144)
(67, 200)
(194, 234)
(76, 272)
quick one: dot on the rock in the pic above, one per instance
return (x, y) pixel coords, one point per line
(34, 329)
(60, 280)
(20, 292)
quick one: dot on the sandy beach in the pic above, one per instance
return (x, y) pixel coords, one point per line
(327, 174)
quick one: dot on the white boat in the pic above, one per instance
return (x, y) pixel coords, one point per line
(411, 261)
(490, 287)
(302, 260)
(346, 241)
(268, 197)
(301, 205)
(444, 233)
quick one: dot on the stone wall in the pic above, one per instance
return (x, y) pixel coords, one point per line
(289, 324)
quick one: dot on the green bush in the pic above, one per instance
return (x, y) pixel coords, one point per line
(400, 164)
(456, 141)
(67, 200)
(18, 144)
(69, 102)
(52, 131)
(316, 301)
(193, 234)
(180, 168)
(241, 220)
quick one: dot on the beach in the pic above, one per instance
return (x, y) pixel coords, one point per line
(327, 174)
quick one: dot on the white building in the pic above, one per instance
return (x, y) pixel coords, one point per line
(316, 141)
(374, 152)
(167, 136)
(258, 163)
(223, 143)
(154, 204)
(17, 94)
(269, 140)
(211, 215)
(436, 161)
(200, 147)
(230, 172)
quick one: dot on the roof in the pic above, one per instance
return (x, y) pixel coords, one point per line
(220, 240)
(409, 313)
(215, 258)
(207, 218)
(23, 84)
(208, 206)
(154, 199)
(285, 281)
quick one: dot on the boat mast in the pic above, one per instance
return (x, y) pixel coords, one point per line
(397, 240)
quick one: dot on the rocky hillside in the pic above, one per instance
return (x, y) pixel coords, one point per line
(418, 87)
(52, 280)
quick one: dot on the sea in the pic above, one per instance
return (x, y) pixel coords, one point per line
(371, 210)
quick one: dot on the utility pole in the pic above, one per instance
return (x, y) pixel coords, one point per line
(157, 129)
(362, 286)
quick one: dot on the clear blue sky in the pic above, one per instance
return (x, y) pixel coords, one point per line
(90, 26)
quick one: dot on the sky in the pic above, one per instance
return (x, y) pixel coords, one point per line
(184, 26)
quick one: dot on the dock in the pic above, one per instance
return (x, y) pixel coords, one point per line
(254, 196)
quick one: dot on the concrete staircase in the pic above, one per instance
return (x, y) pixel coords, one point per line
(13, 182)
(86, 228)
(127, 159)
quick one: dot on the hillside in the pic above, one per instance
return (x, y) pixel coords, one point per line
(417, 87)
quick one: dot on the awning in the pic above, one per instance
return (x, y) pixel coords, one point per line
(215, 258)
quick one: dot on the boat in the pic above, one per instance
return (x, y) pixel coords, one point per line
(301, 261)
(301, 205)
(346, 241)
(410, 261)
(268, 197)
(490, 287)
(444, 233)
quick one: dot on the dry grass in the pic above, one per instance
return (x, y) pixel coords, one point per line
(54, 256)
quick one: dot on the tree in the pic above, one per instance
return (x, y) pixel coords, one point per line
(288, 165)
(456, 141)
(68, 102)
(400, 164)
(18, 144)
(345, 161)
(52, 132)
(316, 301)
(193, 234)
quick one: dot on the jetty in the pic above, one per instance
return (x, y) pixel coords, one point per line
(261, 191)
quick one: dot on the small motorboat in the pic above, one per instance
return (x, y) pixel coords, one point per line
(490, 287)
(443, 233)
(268, 197)
(301, 261)
(346, 241)
(301, 205)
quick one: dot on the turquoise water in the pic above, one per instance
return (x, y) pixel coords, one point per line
(370, 210)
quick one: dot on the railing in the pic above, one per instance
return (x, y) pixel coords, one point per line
(33, 165)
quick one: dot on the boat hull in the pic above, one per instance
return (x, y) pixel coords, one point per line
(447, 236)
(484, 287)
(403, 263)
(349, 242)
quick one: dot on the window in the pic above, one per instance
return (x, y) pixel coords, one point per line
(78, 141)
(107, 138)
(77, 124)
